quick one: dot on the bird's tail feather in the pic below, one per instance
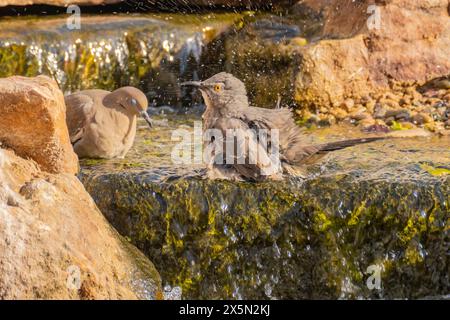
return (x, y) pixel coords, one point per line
(332, 146)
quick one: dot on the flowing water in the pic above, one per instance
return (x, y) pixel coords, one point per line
(384, 204)
(381, 205)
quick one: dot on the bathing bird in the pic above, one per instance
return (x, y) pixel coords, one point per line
(229, 116)
(102, 124)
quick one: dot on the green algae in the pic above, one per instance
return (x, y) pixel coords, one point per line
(363, 206)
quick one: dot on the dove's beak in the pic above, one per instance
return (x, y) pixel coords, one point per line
(147, 118)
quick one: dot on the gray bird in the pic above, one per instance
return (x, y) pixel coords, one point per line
(227, 107)
(102, 124)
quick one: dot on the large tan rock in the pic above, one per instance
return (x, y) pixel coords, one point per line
(55, 244)
(32, 122)
(410, 44)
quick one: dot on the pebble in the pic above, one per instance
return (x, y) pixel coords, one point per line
(299, 41)
(377, 128)
(357, 115)
(323, 110)
(366, 123)
(421, 118)
(389, 121)
(409, 133)
(348, 105)
(365, 99)
(370, 106)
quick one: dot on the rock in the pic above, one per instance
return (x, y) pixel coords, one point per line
(407, 125)
(348, 105)
(447, 97)
(55, 243)
(398, 114)
(358, 115)
(215, 238)
(444, 133)
(421, 118)
(380, 111)
(390, 103)
(412, 44)
(377, 128)
(366, 124)
(323, 110)
(405, 101)
(32, 122)
(114, 50)
(370, 106)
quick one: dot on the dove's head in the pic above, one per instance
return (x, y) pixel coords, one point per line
(222, 90)
(132, 100)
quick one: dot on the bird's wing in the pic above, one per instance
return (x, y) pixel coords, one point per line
(80, 112)
(249, 157)
(290, 135)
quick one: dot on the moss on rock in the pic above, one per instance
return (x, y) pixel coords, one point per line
(284, 240)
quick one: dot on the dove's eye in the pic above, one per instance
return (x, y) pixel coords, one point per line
(133, 102)
(217, 88)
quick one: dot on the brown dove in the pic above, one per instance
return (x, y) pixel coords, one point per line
(102, 124)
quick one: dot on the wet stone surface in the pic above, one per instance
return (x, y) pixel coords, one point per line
(384, 204)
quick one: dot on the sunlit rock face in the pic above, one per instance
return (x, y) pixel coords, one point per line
(152, 52)
(158, 4)
(54, 242)
(382, 206)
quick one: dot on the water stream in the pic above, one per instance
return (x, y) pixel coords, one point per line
(384, 204)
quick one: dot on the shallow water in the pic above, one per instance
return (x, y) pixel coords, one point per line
(151, 51)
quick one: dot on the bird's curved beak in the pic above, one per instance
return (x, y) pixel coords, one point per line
(147, 118)
(196, 84)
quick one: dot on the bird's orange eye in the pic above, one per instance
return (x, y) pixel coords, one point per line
(217, 88)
